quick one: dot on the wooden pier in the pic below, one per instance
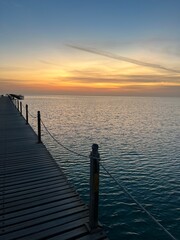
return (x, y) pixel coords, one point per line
(36, 200)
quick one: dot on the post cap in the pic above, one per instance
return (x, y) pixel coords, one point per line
(95, 147)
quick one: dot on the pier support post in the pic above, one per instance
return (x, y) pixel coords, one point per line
(21, 108)
(27, 114)
(94, 187)
(18, 104)
(39, 126)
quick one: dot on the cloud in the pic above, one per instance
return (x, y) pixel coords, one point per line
(121, 79)
(49, 63)
(121, 58)
(2, 80)
(11, 68)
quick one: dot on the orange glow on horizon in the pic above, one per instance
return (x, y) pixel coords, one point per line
(86, 77)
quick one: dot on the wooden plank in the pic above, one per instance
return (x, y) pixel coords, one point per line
(9, 178)
(29, 171)
(44, 231)
(34, 186)
(33, 194)
(45, 212)
(46, 220)
(29, 181)
(39, 203)
(15, 201)
(34, 189)
(35, 209)
(71, 233)
(30, 185)
(26, 165)
(94, 236)
(35, 199)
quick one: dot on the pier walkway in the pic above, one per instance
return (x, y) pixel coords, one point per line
(36, 200)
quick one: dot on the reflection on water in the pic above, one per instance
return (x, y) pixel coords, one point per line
(139, 141)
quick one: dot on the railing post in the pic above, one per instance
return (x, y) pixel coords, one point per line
(39, 126)
(21, 108)
(15, 103)
(27, 114)
(94, 187)
(18, 104)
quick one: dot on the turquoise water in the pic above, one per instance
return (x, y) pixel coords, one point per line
(139, 139)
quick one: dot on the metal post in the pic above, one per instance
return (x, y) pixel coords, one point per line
(39, 126)
(27, 114)
(21, 108)
(94, 187)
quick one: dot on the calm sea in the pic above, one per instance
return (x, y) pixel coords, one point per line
(139, 144)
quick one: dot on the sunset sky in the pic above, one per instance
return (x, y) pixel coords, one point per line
(97, 47)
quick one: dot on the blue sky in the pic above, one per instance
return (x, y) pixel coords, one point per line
(35, 33)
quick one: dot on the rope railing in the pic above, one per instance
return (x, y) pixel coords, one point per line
(18, 104)
(120, 185)
(117, 182)
(68, 149)
(138, 204)
(24, 106)
(32, 115)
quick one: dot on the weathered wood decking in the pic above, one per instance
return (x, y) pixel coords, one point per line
(36, 201)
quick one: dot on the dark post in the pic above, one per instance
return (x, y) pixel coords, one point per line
(94, 187)
(26, 114)
(21, 108)
(15, 102)
(18, 105)
(39, 126)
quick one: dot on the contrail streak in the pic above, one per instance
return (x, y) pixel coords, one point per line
(121, 58)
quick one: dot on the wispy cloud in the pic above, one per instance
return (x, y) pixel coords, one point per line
(120, 79)
(122, 58)
(49, 63)
(11, 68)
